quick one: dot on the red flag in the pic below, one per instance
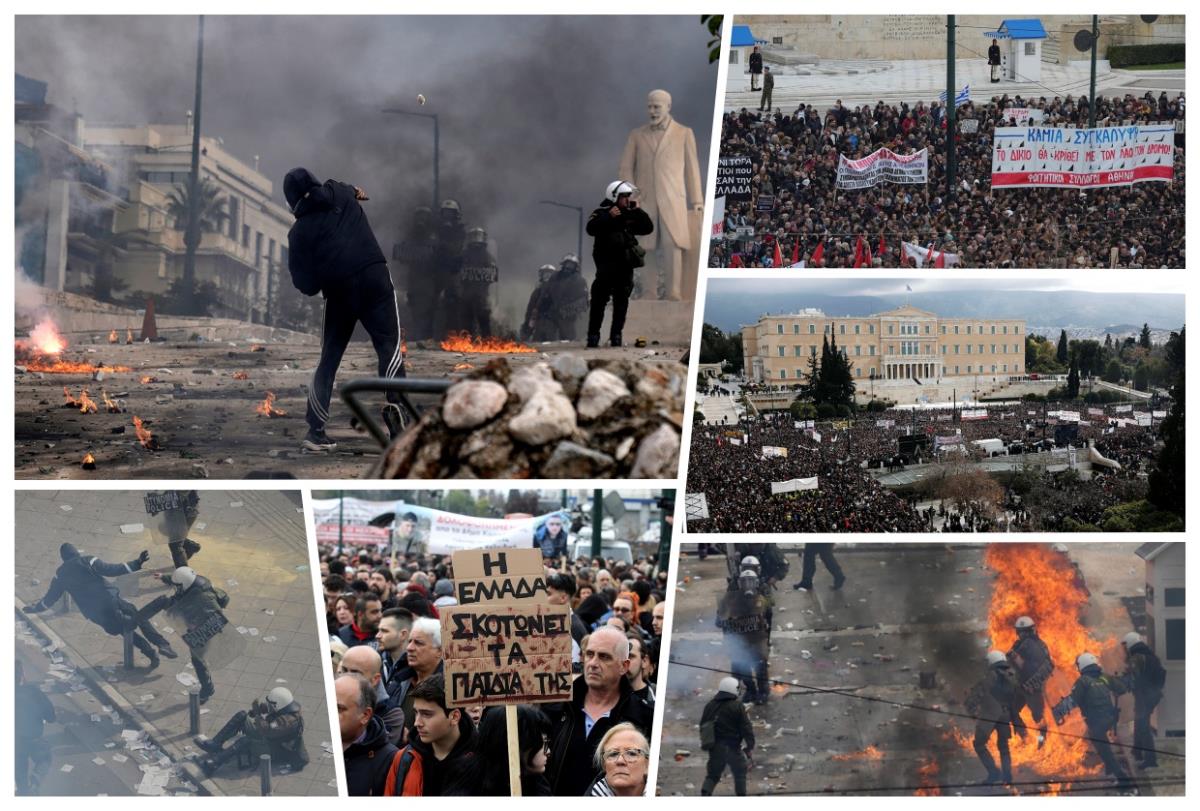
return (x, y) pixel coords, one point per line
(736, 261)
(796, 251)
(778, 261)
(940, 262)
(929, 256)
(870, 260)
(858, 253)
(818, 255)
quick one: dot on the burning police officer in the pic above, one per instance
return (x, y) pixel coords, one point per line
(995, 704)
(615, 225)
(199, 603)
(1031, 659)
(272, 727)
(83, 577)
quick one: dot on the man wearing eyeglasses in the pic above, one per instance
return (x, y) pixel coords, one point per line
(600, 700)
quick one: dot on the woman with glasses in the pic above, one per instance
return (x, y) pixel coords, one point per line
(624, 754)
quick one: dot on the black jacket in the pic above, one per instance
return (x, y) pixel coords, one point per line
(572, 767)
(756, 65)
(83, 577)
(614, 236)
(331, 240)
(367, 763)
(458, 775)
(731, 725)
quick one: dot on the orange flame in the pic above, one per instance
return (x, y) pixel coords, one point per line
(143, 434)
(45, 339)
(128, 336)
(68, 400)
(86, 404)
(112, 337)
(41, 353)
(267, 407)
(927, 773)
(89, 461)
(462, 367)
(257, 348)
(240, 376)
(780, 689)
(872, 752)
(149, 379)
(463, 342)
(109, 405)
(1033, 580)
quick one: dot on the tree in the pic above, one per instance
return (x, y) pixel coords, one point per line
(1144, 338)
(1073, 381)
(712, 22)
(1141, 376)
(1114, 372)
(1086, 354)
(1167, 480)
(211, 213)
(1108, 341)
(1063, 348)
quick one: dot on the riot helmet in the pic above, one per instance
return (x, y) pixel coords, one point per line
(184, 577)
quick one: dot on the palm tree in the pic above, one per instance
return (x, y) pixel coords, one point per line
(212, 211)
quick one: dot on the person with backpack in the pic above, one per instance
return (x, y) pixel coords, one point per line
(333, 251)
(995, 703)
(1095, 695)
(1145, 677)
(728, 737)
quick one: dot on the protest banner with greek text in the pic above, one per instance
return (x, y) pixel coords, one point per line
(1064, 157)
(882, 166)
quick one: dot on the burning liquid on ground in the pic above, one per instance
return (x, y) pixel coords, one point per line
(143, 434)
(267, 407)
(465, 342)
(871, 752)
(927, 776)
(1034, 580)
(43, 350)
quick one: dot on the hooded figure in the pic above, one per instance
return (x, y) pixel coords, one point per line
(83, 577)
(728, 737)
(332, 250)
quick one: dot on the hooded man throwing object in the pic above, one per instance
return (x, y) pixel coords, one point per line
(332, 250)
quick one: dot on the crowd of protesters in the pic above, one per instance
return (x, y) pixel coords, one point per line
(727, 464)
(795, 161)
(400, 738)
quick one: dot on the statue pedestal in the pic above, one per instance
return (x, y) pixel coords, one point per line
(668, 322)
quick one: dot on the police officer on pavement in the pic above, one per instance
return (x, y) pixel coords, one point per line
(200, 604)
(475, 279)
(447, 262)
(741, 615)
(728, 737)
(615, 227)
(533, 326)
(1095, 694)
(272, 727)
(421, 284)
(568, 300)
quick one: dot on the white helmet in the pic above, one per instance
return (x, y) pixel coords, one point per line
(996, 657)
(749, 561)
(280, 697)
(1023, 623)
(619, 187)
(184, 577)
(748, 580)
(569, 259)
(1130, 639)
(1085, 660)
(728, 685)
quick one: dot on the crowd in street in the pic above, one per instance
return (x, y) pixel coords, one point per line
(728, 466)
(795, 161)
(400, 738)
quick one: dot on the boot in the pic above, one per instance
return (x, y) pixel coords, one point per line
(614, 339)
(593, 341)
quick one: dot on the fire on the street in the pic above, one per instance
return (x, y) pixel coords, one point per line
(109, 404)
(128, 336)
(267, 407)
(240, 376)
(86, 404)
(112, 337)
(148, 379)
(871, 752)
(89, 461)
(1034, 580)
(143, 434)
(42, 353)
(462, 367)
(927, 774)
(464, 342)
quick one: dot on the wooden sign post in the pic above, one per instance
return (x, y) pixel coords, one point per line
(505, 644)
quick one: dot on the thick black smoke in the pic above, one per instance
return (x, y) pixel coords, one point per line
(530, 108)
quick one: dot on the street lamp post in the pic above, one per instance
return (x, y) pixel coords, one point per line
(436, 151)
(579, 209)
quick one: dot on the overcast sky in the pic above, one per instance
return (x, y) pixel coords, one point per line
(530, 108)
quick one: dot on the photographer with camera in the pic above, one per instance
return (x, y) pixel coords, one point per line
(615, 226)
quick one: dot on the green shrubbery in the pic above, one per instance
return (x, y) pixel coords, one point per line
(1121, 56)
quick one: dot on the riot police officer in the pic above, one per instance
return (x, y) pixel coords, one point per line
(447, 262)
(994, 703)
(568, 300)
(1031, 659)
(1094, 694)
(180, 509)
(615, 224)
(475, 279)
(741, 615)
(83, 577)
(533, 325)
(422, 285)
(200, 604)
(1145, 677)
(273, 727)
(728, 737)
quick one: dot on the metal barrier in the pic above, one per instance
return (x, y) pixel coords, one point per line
(387, 385)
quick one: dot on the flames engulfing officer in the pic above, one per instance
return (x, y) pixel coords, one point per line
(741, 616)
(83, 577)
(568, 300)
(615, 226)
(1095, 694)
(536, 311)
(994, 702)
(451, 235)
(200, 605)
(273, 727)
(332, 250)
(422, 285)
(475, 279)
(728, 737)
(1145, 677)
(1033, 664)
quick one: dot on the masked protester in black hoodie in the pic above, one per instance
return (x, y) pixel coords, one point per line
(440, 759)
(615, 225)
(332, 250)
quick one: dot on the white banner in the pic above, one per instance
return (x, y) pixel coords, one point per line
(804, 424)
(718, 218)
(969, 414)
(1064, 157)
(1024, 115)
(1096, 412)
(733, 441)
(884, 423)
(1122, 408)
(1159, 415)
(1065, 416)
(443, 532)
(769, 451)
(922, 256)
(815, 436)
(449, 532)
(793, 485)
(882, 166)
(1142, 418)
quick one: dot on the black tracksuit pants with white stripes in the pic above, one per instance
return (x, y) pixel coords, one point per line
(367, 297)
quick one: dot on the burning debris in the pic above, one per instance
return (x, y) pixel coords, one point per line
(464, 342)
(147, 379)
(267, 407)
(463, 367)
(240, 376)
(927, 776)
(112, 337)
(42, 353)
(148, 440)
(257, 348)
(128, 336)
(89, 462)
(570, 419)
(872, 752)
(110, 405)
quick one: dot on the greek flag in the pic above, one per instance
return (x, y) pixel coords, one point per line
(962, 98)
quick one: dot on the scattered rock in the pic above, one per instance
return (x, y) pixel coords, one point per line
(571, 460)
(472, 403)
(657, 455)
(545, 417)
(600, 390)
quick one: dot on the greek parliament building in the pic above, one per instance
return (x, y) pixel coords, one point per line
(901, 344)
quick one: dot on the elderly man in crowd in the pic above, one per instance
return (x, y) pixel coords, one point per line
(366, 750)
(366, 662)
